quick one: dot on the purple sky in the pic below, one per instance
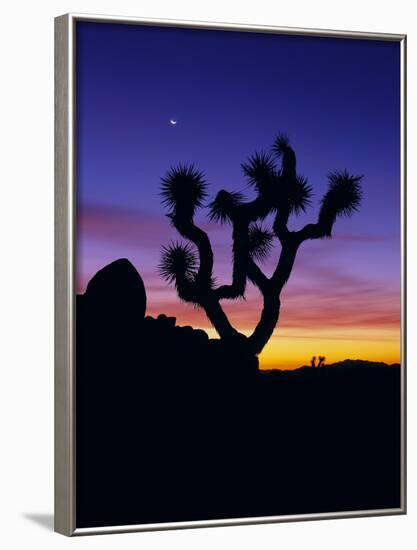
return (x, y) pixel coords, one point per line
(231, 93)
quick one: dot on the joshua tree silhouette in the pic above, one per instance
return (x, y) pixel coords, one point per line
(280, 191)
(313, 361)
(322, 359)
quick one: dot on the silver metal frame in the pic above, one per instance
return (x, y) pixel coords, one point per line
(65, 186)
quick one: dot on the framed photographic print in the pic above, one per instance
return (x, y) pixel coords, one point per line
(230, 274)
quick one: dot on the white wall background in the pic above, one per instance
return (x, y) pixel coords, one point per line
(26, 274)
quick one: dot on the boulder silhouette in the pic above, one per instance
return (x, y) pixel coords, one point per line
(114, 304)
(117, 289)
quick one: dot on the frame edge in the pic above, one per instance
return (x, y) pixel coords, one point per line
(64, 502)
(403, 115)
(239, 27)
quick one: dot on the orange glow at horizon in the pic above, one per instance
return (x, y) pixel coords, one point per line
(289, 349)
(293, 346)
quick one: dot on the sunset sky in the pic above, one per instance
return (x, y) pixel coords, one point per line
(231, 93)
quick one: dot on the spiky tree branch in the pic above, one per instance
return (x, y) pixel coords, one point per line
(342, 198)
(183, 192)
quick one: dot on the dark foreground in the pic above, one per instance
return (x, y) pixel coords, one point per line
(172, 427)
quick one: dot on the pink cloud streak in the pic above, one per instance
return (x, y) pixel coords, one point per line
(317, 296)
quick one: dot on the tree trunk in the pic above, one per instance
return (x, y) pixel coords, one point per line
(219, 320)
(271, 296)
(267, 322)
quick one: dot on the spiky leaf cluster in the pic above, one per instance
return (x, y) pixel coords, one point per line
(222, 207)
(298, 193)
(343, 198)
(281, 148)
(344, 193)
(280, 145)
(292, 195)
(178, 261)
(260, 171)
(260, 242)
(183, 190)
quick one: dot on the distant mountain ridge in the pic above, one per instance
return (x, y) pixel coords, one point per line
(345, 364)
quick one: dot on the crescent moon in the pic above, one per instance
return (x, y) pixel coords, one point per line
(172, 121)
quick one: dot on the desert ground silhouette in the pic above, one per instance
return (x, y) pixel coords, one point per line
(174, 426)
